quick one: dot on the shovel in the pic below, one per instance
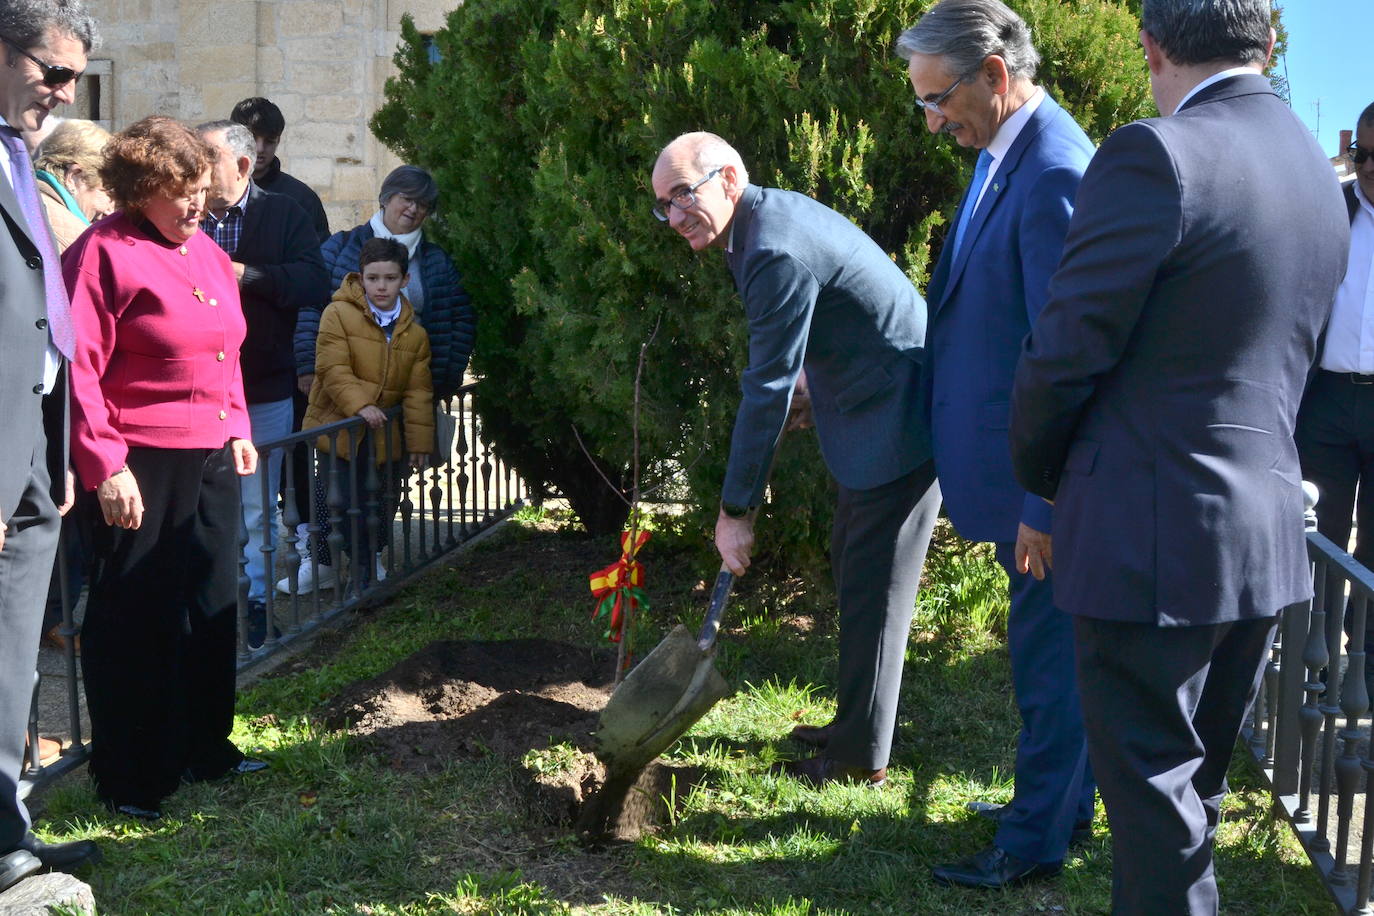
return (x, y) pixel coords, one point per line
(665, 694)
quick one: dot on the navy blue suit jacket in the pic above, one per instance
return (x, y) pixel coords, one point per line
(819, 292)
(1156, 396)
(983, 302)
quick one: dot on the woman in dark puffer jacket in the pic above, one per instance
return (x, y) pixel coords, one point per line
(435, 292)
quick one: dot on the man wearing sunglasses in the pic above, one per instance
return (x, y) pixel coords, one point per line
(821, 296)
(45, 43)
(991, 281)
(1335, 431)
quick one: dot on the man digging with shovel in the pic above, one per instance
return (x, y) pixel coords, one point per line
(827, 310)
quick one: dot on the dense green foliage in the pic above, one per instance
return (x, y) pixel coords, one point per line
(541, 120)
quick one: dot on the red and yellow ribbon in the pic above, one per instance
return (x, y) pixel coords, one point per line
(619, 587)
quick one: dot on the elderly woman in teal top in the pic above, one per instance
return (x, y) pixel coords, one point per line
(68, 163)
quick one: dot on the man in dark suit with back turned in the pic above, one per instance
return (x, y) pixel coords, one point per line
(821, 296)
(973, 65)
(1155, 402)
(45, 43)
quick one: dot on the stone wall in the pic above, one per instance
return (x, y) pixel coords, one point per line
(324, 62)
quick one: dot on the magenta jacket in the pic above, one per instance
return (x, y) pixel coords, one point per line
(158, 330)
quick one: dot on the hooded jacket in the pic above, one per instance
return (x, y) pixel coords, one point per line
(355, 365)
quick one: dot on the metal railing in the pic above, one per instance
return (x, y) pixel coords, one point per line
(435, 510)
(1309, 730)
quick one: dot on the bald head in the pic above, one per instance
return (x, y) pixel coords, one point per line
(704, 151)
(698, 180)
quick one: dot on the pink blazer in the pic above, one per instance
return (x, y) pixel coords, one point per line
(158, 331)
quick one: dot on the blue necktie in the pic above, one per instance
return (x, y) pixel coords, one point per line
(980, 175)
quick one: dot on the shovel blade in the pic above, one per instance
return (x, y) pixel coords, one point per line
(661, 698)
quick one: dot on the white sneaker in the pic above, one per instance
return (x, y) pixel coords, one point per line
(307, 577)
(379, 573)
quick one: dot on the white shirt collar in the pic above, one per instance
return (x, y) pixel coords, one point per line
(1214, 78)
(1011, 128)
(1359, 195)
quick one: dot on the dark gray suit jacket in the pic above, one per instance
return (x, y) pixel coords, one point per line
(23, 342)
(1156, 395)
(818, 291)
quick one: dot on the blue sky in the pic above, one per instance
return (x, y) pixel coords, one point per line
(1330, 47)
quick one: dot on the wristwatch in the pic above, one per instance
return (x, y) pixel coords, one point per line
(733, 511)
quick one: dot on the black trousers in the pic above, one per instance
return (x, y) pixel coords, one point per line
(877, 547)
(1162, 707)
(1335, 437)
(158, 638)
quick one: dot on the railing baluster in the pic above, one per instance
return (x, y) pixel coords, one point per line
(1354, 704)
(1317, 661)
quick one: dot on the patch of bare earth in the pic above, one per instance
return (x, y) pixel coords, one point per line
(467, 699)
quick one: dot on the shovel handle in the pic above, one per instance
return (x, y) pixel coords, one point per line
(725, 580)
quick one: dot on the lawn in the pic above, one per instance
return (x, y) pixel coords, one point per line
(333, 828)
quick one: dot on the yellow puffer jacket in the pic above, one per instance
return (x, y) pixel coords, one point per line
(356, 366)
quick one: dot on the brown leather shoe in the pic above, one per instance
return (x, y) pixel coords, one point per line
(820, 770)
(813, 735)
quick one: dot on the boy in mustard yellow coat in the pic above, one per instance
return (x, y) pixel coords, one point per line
(371, 354)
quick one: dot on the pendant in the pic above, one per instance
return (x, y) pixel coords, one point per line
(195, 291)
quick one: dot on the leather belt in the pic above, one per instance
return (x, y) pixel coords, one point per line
(1353, 378)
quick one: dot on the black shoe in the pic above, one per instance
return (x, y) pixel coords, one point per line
(994, 867)
(993, 811)
(16, 866)
(813, 735)
(137, 812)
(1082, 830)
(242, 768)
(61, 856)
(249, 765)
(257, 625)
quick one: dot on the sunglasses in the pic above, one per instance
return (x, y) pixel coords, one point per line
(1358, 154)
(53, 77)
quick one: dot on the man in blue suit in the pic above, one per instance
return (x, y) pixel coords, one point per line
(821, 296)
(1155, 403)
(973, 65)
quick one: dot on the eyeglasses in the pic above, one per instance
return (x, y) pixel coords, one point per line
(935, 103)
(53, 77)
(419, 205)
(1358, 154)
(685, 199)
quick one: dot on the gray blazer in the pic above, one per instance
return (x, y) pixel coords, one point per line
(1156, 395)
(820, 293)
(23, 342)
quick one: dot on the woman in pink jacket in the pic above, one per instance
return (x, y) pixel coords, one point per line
(160, 433)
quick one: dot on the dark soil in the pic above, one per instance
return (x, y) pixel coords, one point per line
(466, 699)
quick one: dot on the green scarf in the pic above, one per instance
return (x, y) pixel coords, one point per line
(56, 184)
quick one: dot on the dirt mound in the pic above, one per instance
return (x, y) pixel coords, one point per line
(533, 702)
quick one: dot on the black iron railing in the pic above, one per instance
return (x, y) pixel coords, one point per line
(466, 489)
(1309, 729)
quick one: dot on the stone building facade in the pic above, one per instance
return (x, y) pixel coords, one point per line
(324, 62)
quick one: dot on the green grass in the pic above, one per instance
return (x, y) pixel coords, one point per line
(333, 830)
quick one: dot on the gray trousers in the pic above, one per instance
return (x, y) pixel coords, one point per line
(1163, 707)
(877, 548)
(25, 566)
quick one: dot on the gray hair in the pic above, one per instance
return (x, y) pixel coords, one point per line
(26, 22)
(1205, 31)
(237, 138)
(709, 151)
(966, 32)
(409, 181)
